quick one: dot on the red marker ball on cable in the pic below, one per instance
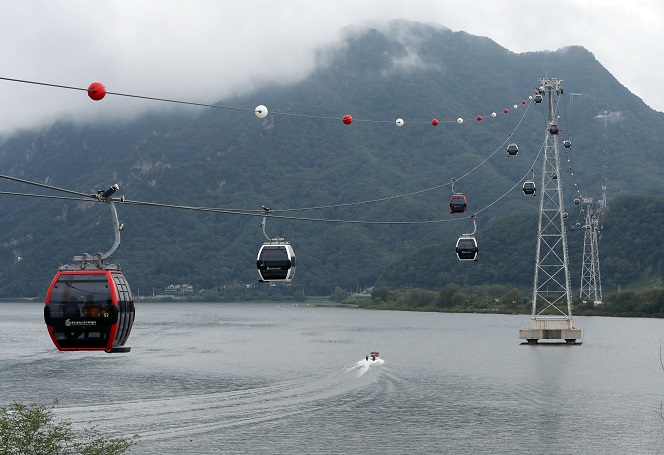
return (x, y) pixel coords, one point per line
(96, 91)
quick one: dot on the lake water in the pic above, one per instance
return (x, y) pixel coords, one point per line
(207, 378)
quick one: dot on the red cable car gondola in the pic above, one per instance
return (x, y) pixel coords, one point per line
(458, 203)
(89, 310)
(89, 306)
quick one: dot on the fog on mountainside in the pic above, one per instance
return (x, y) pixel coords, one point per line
(310, 158)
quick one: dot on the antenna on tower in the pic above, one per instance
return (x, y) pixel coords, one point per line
(571, 98)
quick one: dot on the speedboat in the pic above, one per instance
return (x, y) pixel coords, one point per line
(374, 355)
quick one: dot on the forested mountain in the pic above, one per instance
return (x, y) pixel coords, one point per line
(303, 156)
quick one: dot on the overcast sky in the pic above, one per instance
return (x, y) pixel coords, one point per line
(205, 50)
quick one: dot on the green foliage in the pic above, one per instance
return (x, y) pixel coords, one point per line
(644, 303)
(380, 294)
(452, 298)
(339, 295)
(31, 430)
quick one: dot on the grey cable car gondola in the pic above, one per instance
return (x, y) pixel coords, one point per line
(537, 98)
(276, 262)
(512, 149)
(577, 201)
(276, 258)
(567, 143)
(529, 188)
(466, 248)
(553, 128)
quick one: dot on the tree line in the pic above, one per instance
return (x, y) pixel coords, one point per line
(453, 298)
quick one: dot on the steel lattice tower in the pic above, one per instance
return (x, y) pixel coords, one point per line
(551, 288)
(552, 296)
(591, 284)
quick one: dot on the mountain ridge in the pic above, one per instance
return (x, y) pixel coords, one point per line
(302, 156)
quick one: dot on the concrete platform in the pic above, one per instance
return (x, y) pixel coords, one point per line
(551, 328)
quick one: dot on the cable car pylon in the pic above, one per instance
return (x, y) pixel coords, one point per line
(551, 317)
(591, 283)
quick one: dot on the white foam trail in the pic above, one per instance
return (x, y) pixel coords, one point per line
(363, 365)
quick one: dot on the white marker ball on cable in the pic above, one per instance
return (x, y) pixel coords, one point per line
(260, 111)
(459, 120)
(399, 122)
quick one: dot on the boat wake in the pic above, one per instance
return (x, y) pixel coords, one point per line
(182, 418)
(363, 366)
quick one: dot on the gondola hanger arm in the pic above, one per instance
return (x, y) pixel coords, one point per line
(266, 213)
(472, 217)
(453, 180)
(99, 258)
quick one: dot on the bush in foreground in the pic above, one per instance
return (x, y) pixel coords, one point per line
(31, 430)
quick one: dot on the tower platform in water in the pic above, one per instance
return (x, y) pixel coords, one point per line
(551, 328)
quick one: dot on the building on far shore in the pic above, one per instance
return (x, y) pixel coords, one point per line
(179, 289)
